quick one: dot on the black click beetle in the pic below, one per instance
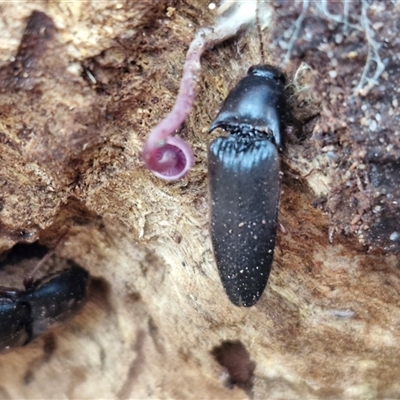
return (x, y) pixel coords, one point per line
(244, 182)
(45, 303)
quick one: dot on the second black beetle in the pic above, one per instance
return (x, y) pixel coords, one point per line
(45, 303)
(244, 182)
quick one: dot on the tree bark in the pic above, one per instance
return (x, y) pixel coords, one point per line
(81, 86)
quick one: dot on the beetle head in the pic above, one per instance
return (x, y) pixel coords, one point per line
(269, 72)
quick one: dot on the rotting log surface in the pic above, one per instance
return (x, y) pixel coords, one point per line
(81, 85)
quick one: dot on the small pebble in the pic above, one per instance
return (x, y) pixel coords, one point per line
(333, 74)
(394, 236)
(338, 38)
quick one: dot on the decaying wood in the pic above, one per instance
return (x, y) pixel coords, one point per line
(81, 86)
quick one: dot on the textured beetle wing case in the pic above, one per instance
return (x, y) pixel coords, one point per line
(58, 298)
(244, 189)
(13, 319)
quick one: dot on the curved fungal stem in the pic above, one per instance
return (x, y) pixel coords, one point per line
(171, 158)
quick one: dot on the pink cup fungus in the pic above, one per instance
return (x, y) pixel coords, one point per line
(169, 157)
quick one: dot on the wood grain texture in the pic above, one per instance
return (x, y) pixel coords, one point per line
(81, 85)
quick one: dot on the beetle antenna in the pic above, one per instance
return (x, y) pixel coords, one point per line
(29, 279)
(259, 31)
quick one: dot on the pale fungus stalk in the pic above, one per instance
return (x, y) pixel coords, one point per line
(170, 157)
